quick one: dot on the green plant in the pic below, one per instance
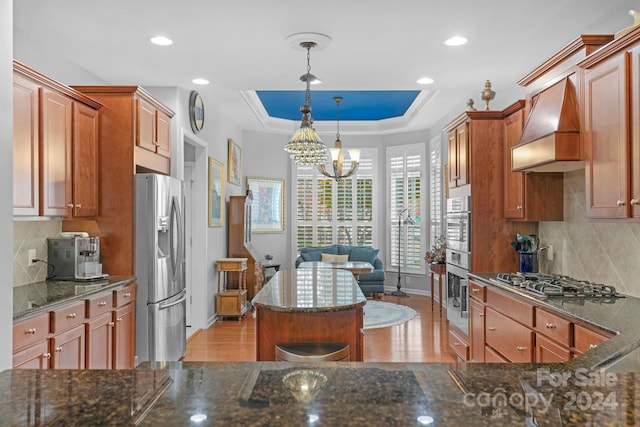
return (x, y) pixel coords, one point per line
(438, 252)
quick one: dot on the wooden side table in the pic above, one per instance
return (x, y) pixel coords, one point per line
(440, 270)
(232, 302)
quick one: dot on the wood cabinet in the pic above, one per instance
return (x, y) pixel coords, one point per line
(68, 349)
(55, 148)
(459, 345)
(554, 337)
(548, 351)
(512, 340)
(612, 128)
(124, 333)
(586, 338)
(459, 155)
(133, 127)
(100, 341)
(477, 330)
(30, 343)
(530, 196)
(240, 246)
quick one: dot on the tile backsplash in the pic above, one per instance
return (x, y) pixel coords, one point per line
(31, 235)
(603, 252)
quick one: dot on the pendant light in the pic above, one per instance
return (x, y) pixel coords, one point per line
(306, 147)
(337, 155)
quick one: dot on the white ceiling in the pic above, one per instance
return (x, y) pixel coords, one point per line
(240, 46)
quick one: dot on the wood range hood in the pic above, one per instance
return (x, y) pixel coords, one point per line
(550, 140)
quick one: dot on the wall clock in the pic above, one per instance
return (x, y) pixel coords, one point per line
(196, 111)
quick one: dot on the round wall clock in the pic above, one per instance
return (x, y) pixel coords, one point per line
(196, 111)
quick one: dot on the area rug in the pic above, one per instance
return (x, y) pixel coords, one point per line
(378, 314)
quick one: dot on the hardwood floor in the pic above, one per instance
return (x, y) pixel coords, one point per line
(422, 339)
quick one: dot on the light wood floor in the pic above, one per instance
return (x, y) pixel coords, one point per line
(422, 339)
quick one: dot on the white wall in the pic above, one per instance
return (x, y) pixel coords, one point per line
(6, 181)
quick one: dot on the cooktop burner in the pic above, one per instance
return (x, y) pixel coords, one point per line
(554, 285)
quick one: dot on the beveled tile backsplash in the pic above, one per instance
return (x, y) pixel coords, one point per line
(603, 252)
(31, 235)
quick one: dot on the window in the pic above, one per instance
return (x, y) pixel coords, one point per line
(330, 212)
(405, 165)
(435, 191)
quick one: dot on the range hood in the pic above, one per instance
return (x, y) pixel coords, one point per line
(550, 141)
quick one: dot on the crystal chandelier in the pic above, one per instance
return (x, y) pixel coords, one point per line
(306, 147)
(337, 155)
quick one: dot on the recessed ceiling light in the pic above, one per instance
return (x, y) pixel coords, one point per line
(456, 41)
(200, 81)
(425, 81)
(161, 40)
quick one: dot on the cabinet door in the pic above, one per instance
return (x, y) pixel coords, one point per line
(36, 356)
(69, 349)
(85, 161)
(453, 155)
(100, 342)
(463, 153)
(124, 337)
(514, 182)
(146, 136)
(477, 330)
(635, 140)
(509, 338)
(549, 352)
(57, 113)
(163, 134)
(26, 136)
(606, 139)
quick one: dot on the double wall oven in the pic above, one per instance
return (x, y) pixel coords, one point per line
(458, 233)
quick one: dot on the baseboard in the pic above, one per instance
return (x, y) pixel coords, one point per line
(421, 292)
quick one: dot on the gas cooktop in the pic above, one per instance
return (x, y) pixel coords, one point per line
(554, 285)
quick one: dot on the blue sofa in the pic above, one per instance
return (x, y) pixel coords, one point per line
(371, 283)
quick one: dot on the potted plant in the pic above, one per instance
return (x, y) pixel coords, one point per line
(437, 256)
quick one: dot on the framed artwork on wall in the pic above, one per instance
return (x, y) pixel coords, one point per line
(267, 207)
(234, 163)
(216, 193)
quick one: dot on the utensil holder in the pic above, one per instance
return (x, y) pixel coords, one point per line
(528, 262)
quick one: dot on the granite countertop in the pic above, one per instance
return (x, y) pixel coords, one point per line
(34, 298)
(349, 394)
(615, 315)
(310, 290)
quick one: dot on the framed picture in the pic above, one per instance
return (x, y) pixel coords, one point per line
(267, 206)
(234, 163)
(216, 193)
(196, 111)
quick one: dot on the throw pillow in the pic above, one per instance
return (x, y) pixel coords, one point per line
(360, 253)
(344, 249)
(311, 255)
(335, 258)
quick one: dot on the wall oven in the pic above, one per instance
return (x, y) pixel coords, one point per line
(458, 232)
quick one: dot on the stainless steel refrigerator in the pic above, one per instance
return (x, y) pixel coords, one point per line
(161, 302)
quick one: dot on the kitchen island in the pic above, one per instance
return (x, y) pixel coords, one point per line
(314, 305)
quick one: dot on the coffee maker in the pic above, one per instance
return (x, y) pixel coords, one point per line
(75, 258)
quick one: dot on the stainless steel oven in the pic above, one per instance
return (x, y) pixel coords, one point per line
(458, 232)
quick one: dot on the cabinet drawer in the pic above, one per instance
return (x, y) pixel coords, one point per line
(67, 317)
(513, 307)
(554, 326)
(509, 338)
(124, 295)
(585, 339)
(548, 351)
(99, 304)
(459, 346)
(477, 291)
(492, 356)
(30, 331)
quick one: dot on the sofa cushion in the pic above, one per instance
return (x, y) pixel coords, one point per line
(375, 276)
(334, 258)
(311, 255)
(344, 249)
(363, 253)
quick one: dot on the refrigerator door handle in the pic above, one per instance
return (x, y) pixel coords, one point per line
(176, 221)
(171, 304)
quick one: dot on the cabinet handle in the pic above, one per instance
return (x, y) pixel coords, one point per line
(126, 294)
(31, 331)
(620, 203)
(592, 346)
(46, 355)
(70, 205)
(550, 326)
(71, 316)
(521, 348)
(519, 207)
(491, 328)
(634, 202)
(456, 344)
(102, 304)
(111, 324)
(78, 206)
(58, 349)
(481, 314)
(119, 319)
(475, 290)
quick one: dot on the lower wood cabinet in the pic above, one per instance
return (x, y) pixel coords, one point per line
(492, 356)
(124, 337)
(68, 349)
(477, 327)
(36, 356)
(100, 342)
(584, 339)
(459, 345)
(548, 351)
(511, 339)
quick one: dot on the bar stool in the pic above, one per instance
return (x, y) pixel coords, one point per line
(313, 352)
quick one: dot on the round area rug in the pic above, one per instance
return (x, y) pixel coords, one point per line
(378, 314)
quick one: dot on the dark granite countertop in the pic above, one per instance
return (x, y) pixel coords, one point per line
(615, 315)
(34, 298)
(309, 290)
(348, 394)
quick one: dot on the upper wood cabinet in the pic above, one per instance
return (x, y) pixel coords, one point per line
(55, 148)
(154, 129)
(459, 155)
(528, 196)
